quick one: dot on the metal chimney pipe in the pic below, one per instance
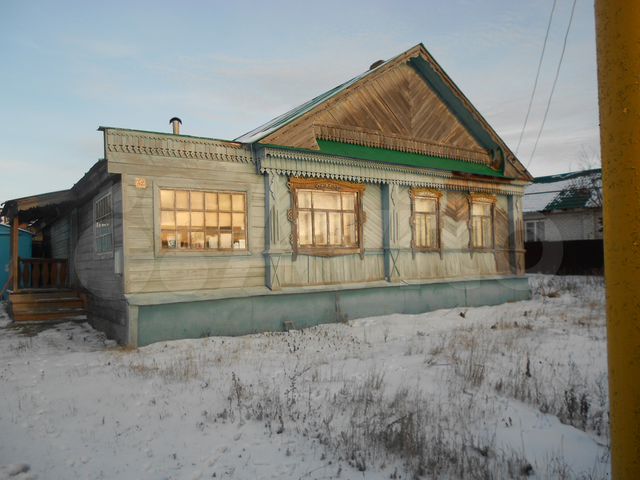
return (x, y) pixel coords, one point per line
(175, 123)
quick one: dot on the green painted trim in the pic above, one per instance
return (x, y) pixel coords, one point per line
(262, 313)
(405, 158)
(561, 177)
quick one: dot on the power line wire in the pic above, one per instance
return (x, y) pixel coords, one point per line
(553, 87)
(535, 83)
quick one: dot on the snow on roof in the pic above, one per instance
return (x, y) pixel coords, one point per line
(564, 191)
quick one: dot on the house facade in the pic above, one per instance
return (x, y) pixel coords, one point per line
(563, 223)
(389, 193)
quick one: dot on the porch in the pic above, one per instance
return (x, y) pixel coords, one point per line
(39, 289)
(42, 292)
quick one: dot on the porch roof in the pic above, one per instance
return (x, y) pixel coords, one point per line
(34, 207)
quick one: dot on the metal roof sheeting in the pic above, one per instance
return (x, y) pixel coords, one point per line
(564, 191)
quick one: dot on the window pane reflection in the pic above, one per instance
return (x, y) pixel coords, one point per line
(202, 220)
(326, 218)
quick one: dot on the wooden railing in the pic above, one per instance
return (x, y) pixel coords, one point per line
(43, 273)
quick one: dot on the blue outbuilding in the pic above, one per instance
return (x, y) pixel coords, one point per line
(24, 250)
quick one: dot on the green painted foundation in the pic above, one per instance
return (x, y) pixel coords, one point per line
(242, 316)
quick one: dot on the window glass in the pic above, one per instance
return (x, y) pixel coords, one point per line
(224, 200)
(326, 200)
(182, 200)
(197, 200)
(540, 232)
(305, 231)
(348, 201)
(320, 228)
(182, 219)
(304, 199)
(238, 203)
(327, 219)
(225, 240)
(531, 232)
(350, 229)
(197, 239)
(225, 219)
(202, 220)
(335, 228)
(425, 227)
(211, 219)
(211, 201)
(168, 219)
(103, 228)
(481, 224)
(167, 198)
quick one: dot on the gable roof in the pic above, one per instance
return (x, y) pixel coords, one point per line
(565, 191)
(481, 144)
(274, 124)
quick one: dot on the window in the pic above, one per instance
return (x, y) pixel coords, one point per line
(195, 220)
(535, 231)
(425, 207)
(103, 214)
(327, 216)
(482, 221)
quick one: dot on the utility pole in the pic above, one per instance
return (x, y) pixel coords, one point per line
(618, 49)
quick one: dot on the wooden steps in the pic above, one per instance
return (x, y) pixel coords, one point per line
(44, 305)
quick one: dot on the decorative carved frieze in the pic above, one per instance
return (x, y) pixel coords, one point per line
(318, 165)
(141, 143)
(376, 139)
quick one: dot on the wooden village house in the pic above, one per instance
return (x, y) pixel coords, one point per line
(563, 224)
(389, 193)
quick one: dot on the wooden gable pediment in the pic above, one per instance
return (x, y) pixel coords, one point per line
(396, 110)
(407, 104)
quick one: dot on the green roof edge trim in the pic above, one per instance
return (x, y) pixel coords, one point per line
(404, 158)
(560, 177)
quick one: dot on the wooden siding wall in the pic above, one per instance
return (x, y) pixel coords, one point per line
(456, 259)
(518, 241)
(59, 236)
(96, 272)
(312, 270)
(149, 162)
(147, 267)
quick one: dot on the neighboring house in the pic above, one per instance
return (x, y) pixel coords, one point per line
(563, 223)
(24, 251)
(389, 193)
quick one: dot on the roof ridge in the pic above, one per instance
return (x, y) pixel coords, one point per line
(559, 177)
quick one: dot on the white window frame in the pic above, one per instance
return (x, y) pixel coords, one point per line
(105, 216)
(536, 230)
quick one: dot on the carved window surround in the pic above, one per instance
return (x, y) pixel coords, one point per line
(486, 244)
(430, 218)
(298, 184)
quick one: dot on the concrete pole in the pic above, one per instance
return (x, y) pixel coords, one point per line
(618, 49)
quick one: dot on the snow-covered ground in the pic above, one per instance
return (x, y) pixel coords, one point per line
(511, 391)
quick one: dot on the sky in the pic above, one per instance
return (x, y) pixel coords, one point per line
(226, 67)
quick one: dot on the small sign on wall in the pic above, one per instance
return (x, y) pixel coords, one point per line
(141, 183)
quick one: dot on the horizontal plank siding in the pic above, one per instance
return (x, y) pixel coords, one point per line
(310, 270)
(148, 268)
(59, 237)
(96, 272)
